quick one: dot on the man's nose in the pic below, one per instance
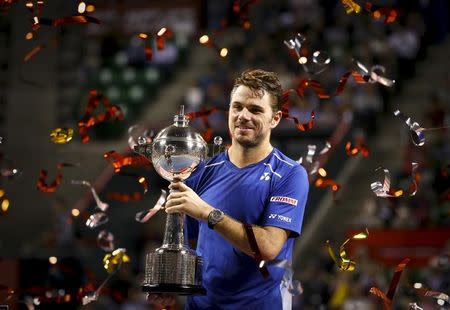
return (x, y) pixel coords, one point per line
(244, 114)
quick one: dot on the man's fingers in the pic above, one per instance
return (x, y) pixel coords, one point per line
(174, 209)
(173, 202)
(175, 195)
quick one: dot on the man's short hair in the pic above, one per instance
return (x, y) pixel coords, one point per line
(258, 80)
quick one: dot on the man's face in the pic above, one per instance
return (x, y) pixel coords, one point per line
(251, 117)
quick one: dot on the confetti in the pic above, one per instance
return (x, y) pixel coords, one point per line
(204, 115)
(344, 263)
(161, 36)
(118, 161)
(124, 197)
(105, 240)
(429, 293)
(255, 249)
(360, 147)
(414, 306)
(75, 19)
(100, 204)
(387, 298)
(144, 216)
(112, 112)
(375, 74)
(384, 189)
(61, 135)
(351, 6)
(113, 261)
(97, 219)
(52, 187)
(312, 162)
(313, 65)
(4, 202)
(416, 132)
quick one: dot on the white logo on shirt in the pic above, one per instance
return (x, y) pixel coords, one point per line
(265, 176)
(280, 217)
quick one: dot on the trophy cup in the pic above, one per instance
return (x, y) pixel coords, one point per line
(173, 267)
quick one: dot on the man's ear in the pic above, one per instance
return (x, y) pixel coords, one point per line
(275, 119)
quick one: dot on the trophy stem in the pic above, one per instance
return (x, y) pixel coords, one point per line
(174, 231)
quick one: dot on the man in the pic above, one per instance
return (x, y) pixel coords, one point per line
(251, 183)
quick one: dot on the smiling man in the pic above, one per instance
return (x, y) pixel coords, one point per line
(250, 183)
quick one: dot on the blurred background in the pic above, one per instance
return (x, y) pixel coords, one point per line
(49, 258)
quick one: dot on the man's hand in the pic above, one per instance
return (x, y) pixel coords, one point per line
(161, 299)
(183, 199)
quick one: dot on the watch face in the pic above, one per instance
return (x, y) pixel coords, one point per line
(215, 216)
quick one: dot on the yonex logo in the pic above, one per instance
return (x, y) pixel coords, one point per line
(272, 216)
(265, 176)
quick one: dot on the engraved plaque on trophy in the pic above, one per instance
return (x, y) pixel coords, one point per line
(175, 152)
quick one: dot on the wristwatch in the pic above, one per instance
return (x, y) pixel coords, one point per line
(214, 217)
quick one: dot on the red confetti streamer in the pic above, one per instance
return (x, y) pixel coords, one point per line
(118, 161)
(50, 188)
(387, 298)
(38, 48)
(360, 147)
(285, 112)
(161, 36)
(112, 112)
(75, 19)
(204, 115)
(124, 197)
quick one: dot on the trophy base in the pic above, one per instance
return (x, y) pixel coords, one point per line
(178, 289)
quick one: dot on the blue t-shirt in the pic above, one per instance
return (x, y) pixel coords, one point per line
(272, 192)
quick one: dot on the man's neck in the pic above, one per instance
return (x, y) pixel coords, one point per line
(243, 156)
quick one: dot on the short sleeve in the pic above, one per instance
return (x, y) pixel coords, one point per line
(287, 201)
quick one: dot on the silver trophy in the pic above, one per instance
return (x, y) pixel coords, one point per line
(175, 153)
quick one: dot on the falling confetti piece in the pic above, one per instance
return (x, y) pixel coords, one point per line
(204, 115)
(100, 204)
(113, 261)
(118, 161)
(360, 147)
(387, 298)
(313, 65)
(93, 296)
(105, 240)
(97, 219)
(375, 74)
(312, 162)
(160, 38)
(429, 293)
(112, 112)
(52, 187)
(144, 216)
(351, 6)
(344, 263)
(384, 189)
(61, 135)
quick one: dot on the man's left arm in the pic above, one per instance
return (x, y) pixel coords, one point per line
(270, 238)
